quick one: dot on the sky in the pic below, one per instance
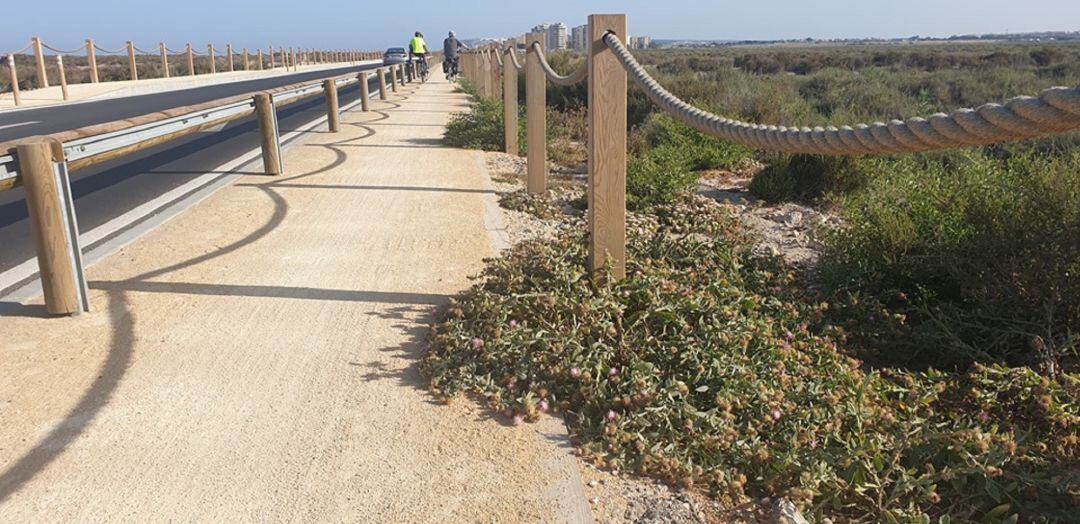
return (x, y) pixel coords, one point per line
(364, 24)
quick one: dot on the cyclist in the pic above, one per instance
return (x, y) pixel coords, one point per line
(419, 49)
(451, 46)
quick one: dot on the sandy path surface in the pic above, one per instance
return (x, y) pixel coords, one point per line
(254, 358)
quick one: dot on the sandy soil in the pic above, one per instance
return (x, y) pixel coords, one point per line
(254, 358)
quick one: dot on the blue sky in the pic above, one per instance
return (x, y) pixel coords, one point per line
(361, 24)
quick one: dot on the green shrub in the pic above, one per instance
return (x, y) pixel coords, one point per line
(808, 177)
(709, 369)
(967, 258)
(479, 128)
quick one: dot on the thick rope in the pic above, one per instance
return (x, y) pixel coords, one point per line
(63, 51)
(28, 46)
(106, 51)
(573, 78)
(1055, 111)
(154, 52)
(513, 58)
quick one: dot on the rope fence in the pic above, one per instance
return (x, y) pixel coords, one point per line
(290, 58)
(611, 66)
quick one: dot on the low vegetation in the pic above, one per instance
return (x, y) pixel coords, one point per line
(928, 366)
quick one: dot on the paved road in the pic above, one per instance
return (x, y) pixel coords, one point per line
(53, 119)
(116, 189)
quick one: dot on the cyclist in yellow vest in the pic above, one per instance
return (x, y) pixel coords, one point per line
(419, 49)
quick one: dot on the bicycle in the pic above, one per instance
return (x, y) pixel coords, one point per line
(450, 67)
(422, 67)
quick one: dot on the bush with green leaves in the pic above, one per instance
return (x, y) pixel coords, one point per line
(479, 128)
(946, 261)
(807, 177)
(708, 368)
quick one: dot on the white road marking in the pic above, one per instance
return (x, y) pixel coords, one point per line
(20, 124)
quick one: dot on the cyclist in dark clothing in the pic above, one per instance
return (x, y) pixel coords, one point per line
(451, 46)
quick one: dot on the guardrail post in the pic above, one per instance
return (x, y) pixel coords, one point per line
(332, 114)
(268, 133)
(210, 55)
(14, 74)
(535, 117)
(39, 56)
(63, 76)
(607, 149)
(365, 102)
(52, 219)
(271, 57)
(394, 76)
(381, 73)
(510, 103)
(228, 51)
(164, 60)
(131, 60)
(91, 59)
(260, 60)
(190, 61)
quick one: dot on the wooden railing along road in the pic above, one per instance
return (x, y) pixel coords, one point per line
(42, 164)
(288, 58)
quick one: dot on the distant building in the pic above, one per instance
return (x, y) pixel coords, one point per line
(555, 37)
(640, 42)
(579, 37)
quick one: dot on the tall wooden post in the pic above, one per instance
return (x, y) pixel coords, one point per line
(394, 76)
(607, 148)
(365, 102)
(164, 60)
(52, 226)
(260, 60)
(190, 61)
(382, 83)
(14, 76)
(132, 66)
(91, 59)
(535, 116)
(485, 74)
(332, 113)
(496, 73)
(63, 76)
(272, 57)
(228, 51)
(268, 133)
(510, 103)
(246, 61)
(39, 55)
(213, 61)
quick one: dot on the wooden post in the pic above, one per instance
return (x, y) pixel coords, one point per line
(190, 61)
(393, 76)
(131, 60)
(63, 76)
(210, 54)
(485, 75)
(246, 62)
(91, 59)
(607, 148)
(268, 132)
(39, 55)
(14, 75)
(365, 103)
(260, 60)
(164, 60)
(228, 50)
(272, 57)
(47, 209)
(496, 73)
(332, 114)
(510, 103)
(382, 82)
(535, 117)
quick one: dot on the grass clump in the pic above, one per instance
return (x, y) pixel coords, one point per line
(479, 128)
(708, 369)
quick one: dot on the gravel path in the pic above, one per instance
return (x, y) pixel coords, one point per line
(254, 358)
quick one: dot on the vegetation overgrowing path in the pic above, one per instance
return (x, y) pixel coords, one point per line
(255, 357)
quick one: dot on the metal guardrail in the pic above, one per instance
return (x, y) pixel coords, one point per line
(82, 152)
